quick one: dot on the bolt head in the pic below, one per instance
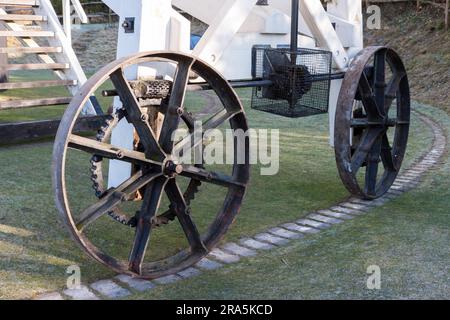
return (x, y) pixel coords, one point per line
(144, 117)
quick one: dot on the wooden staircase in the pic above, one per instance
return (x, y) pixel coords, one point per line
(34, 24)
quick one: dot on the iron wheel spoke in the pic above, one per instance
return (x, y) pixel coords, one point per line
(372, 168)
(114, 197)
(109, 151)
(361, 153)
(191, 141)
(386, 154)
(183, 213)
(380, 80)
(135, 116)
(150, 205)
(392, 88)
(368, 99)
(189, 120)
(175, 107)
(210, 177)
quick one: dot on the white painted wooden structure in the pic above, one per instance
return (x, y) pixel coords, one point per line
(67, 6)
(63, 62)
(235, 26)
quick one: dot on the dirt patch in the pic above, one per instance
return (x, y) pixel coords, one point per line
(95, 48)
(424, 45)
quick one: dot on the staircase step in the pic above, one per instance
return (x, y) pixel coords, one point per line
(35, 66)
(31, 50)
(27, 34)
(37, 84)
(16, 104)
(32, 3)
(22, 17)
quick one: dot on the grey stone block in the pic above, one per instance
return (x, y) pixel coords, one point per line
(354, 206)
(347, 210)
(136, 284)
(283, 233)
(313, 223)
(397, 187)
(335, 214)
(110, 289)
(207, 264)
(325, 219)
(298, 228)
(239, 250)
(223, 256)
(254, 244)
(82, 293)
(267, 237)
(167, 279)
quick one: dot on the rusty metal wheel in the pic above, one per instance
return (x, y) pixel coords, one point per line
(368, 131)
(158, 170)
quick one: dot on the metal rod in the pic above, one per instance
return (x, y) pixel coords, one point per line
(294, 25)
(236, 84)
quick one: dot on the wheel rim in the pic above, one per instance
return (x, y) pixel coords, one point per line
(158, 174)
(362, 134)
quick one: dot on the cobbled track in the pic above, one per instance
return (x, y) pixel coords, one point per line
(122, 285)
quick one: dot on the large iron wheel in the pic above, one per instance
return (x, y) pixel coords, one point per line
(158, 170)
(368, 131)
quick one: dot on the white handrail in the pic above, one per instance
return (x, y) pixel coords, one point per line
(67, 18)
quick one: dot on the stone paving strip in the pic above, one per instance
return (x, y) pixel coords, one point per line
(223, 257)
(239, 250)
(298, 228)
(110, 289)
(313, 223)
(172, 278)
(207, 264)
(269, 238)
(283, 233)
(81, 293)
(136, 284)
(325, 219)
(189, 273)
(123, 285)
(333, 214)
(254, 244)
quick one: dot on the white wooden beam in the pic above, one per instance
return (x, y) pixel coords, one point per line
(67, 19)
(319, 23)
(80, 11)
(204, 10)
(60, 40)
(227, 22)
(348, 11)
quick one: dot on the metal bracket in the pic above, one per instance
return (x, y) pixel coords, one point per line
(128, 25)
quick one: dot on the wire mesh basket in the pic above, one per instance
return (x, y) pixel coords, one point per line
(300, 81)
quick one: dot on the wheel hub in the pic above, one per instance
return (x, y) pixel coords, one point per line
(171, 169)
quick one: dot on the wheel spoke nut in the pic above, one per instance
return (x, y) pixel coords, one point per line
(171, 168)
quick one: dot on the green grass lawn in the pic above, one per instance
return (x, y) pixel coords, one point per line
(408, 239)
(35, 249)
(41, 113)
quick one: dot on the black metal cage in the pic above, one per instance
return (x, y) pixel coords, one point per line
(300, 81)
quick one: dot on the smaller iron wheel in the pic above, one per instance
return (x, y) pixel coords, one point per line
(369, 132)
